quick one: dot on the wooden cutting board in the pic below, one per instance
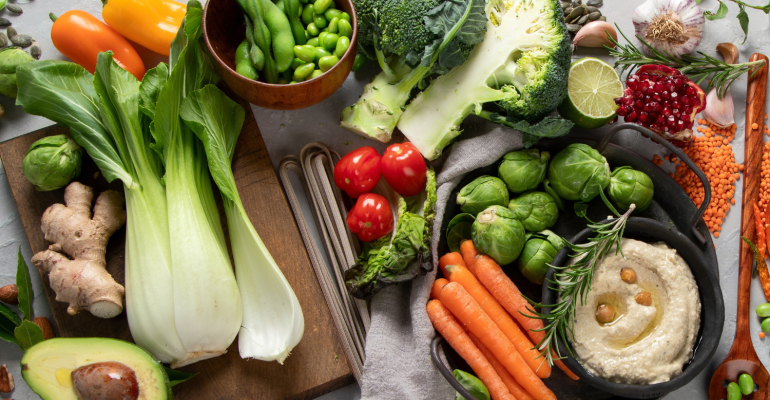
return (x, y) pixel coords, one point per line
(316, 366)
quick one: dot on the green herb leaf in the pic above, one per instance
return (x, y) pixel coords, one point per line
(28, 334)
(743, 18)
(150, 88)
(25, 287)
(8, 323)
(720, 13)
(581, 210)
(176, 377)
(455, 25)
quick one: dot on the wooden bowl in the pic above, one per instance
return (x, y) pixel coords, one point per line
(224, 28)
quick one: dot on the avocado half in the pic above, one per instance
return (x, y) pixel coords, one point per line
(48, 365)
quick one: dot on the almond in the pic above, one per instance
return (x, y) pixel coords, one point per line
(6, 380)
(46, 326)
(9, 294)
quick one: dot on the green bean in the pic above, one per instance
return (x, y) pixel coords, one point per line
(283, 39)
(243, 64)
(765, 325)
(305, 53)
(326, 63)
(345, 16)
(320, 21)
(303, 71)
(733, 391)
(313, 42)
(345, 29)
(307, 14)
(763, 310)
(321, 5)
(312, 29)
(254, 10)
(331, 13)
(342, 46)
(329, 41)
(746, 384)
(333, 25)
(359, 62)
(256, 55)
(316, 73)
(292, 13)
(320, 53)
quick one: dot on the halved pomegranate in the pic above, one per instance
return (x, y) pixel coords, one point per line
(662, 99)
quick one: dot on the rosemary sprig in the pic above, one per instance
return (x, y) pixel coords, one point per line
(719, 73)
(573, 282)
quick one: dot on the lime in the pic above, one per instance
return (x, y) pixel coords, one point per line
(593, 84)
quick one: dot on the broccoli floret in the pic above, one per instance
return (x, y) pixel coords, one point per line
(522, 64)
(402, 26)
(365, 11)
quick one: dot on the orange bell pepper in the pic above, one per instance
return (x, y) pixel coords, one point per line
(150, 23)
(81, 37)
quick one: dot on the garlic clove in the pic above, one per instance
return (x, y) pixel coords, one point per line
(718, 111)
(594, 34)
(729, 52)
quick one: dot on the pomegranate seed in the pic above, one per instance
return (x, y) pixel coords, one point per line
(644, 77)
(631, 117)
(686, 110)
(644, 88)
(659, 87)
(638, 95)
(685, 100)
(674, 95)
(638, 105)
(676, 104)
(678, 82)
(665, 95)
(643, 117)
(671, 121)
(633, 84)
(666, 112)
(661, 120)
(679, 125)
(622, 111)
(690, 91)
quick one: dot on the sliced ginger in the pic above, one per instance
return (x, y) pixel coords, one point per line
(82, 279)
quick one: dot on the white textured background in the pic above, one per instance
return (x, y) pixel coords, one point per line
(285, 132)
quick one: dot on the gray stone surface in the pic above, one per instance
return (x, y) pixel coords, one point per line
(285, 132)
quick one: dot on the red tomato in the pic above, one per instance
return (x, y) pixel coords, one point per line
(404, 169)
(358, 172)
(371, 218)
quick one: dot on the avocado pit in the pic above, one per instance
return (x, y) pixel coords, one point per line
(105, 381)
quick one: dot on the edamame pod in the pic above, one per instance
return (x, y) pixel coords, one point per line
(243, 62)
(256, 55)
(331, 13)
(765, 325)
(307, 14)
(329, 41)
(281, 33)
(319, 20)
(359, 62)
(303, 71)
(297, 62)
(292, 13)
(254, 10)
(281, 5)
(313, 42)
(345, 29)
(305, 53)
(342, 46)
(763, 310)
(320, 53)
(326, 63)
(247, 70)
(746, 384)
(283, 81)
(312, 29)
(733, 391)
(333, 25)
(316, 73)
(345, 16)
(321, 5)
(287, 75)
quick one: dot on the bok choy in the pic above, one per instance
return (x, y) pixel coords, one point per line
(272, 320)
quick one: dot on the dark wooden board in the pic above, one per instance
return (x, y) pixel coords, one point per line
(316, 366)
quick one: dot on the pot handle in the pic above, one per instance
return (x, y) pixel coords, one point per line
(682, 156)
(445, 371)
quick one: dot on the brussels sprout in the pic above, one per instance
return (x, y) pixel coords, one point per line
(472, 384)
(578, 173)
(536, 210)
(628, 186)
(459, 229)
(483, 192)
(52, 162)
(498, 234)
(523, 170)
(10, 58)
(538, 252)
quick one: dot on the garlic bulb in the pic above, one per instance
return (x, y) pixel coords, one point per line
(673, 26)
(720, 111)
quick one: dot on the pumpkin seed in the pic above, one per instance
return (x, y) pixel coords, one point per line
(5, 22)
(11, 31)
(595, 3)
(582, 20)
(594, 16)
(14, 8)
(22, 40)
(3, 40)
(35, 51)
(602, 18)
(576, 12)
(565, 5)
(573, 28)
(591, 9)
(576, 3)
(567, 11)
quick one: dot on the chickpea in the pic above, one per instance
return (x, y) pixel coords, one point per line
(644, 298)
(628, 275)
(605, 313)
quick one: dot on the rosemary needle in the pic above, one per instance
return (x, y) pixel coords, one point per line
(719, 74)
(573, 282)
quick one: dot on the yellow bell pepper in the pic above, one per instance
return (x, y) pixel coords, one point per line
(150, 23)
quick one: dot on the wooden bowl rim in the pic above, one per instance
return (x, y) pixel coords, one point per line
(240, 77)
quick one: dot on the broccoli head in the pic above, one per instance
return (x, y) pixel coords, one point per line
(402, 27)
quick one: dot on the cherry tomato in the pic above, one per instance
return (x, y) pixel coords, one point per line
(371, 218)
(358, 172)
(404, 169)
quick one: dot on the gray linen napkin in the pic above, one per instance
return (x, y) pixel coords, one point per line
(398, 364)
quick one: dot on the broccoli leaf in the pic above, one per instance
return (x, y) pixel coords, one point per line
(450, 20)
(549, 127)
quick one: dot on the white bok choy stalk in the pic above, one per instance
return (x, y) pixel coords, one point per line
(207, 303)
(272, 317)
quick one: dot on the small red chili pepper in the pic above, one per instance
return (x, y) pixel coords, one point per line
(358, 172)
(371, 218)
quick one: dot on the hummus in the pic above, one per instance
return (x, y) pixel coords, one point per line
(644, 342)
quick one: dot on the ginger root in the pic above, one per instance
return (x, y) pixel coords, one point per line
(83, 280)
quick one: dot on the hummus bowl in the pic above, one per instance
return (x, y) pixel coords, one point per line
(709, 325)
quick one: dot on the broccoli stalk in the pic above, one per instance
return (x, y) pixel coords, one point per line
(522, 63)
(377, 112)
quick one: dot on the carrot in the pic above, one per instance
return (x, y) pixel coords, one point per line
(468, 250)
(470, 314)
(446, 324)
(505, 291)
(450, 259)
(461, 275)
(505, 376)
(436, 289)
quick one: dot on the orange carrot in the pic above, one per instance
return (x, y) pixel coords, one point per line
(446, 324)
(468, 250)
(461, 275)
(470, 314)
(436, 289)
(505, 291)
(450, 259)
(503, 373)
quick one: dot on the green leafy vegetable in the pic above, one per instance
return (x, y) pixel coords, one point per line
(743, 17)
(538, 253)
(10, 59)
(52, 162)
(28, 334)
(523, 170)
(629, 186)
(24, 285)
(176, 377)
(720, 13)
(9, 321)
(578, 173)
(536, 210)
(549, 127)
